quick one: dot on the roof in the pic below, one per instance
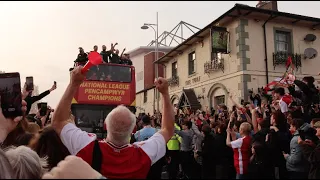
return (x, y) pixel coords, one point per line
(145, 49)
(245, 11)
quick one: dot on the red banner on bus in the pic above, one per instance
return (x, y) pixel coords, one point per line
(99, 92)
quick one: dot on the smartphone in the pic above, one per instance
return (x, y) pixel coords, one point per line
(231, 125)
(243, 116)
(10, 93)
(29, 83)
(43, 108)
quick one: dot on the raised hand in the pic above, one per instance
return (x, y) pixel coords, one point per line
(76, 76)
(8, 124)
(25, 93)
(162, 85)
(54, 87)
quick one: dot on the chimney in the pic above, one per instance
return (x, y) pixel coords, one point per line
(269, 5)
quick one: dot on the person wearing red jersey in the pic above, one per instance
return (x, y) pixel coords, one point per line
(241, 149)
(114, 157)
(284, 100)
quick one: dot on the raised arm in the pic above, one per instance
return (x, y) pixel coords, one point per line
(123, 52)
(195, 129)
(236, 104)
(167, 124)
(254, 120)
(62, 112)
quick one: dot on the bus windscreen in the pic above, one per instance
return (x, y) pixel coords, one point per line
(109, 73)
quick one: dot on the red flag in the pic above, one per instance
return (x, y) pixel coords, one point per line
(289, 61)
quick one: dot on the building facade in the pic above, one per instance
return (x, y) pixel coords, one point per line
(143, 60)
(258, 42)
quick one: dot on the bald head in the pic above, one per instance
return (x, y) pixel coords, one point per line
(120, 123)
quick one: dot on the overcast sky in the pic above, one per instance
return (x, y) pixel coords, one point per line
(41, 39)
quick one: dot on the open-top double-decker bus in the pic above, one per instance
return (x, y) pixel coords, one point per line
(106, 86)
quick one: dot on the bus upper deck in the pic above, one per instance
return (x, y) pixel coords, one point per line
(106, 86)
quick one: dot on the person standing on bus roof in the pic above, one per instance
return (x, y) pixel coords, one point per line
(82, 56)
(118, 158)
(105, 54)
(95, 48)
(115, 57)
(126, 60)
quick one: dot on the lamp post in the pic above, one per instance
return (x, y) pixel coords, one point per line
(144, 27)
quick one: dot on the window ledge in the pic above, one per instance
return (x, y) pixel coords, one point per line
(193, 74)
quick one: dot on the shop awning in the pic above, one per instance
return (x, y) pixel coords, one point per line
(189, 100)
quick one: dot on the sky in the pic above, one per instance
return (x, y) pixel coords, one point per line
(41, 39)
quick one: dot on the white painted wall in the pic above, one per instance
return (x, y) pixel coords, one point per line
(138, 63)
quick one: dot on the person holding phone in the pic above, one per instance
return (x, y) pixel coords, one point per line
(11, 106)
(32, 99)
(9, 124)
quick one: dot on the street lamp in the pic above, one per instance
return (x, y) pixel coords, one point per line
(144, 27)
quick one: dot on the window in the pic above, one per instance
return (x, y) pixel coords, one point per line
(145, 96)
(219, 100)
(109, 72)
(283, 41)
(191, 63)
(174, 69)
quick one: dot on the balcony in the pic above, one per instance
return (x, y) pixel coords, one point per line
(214, 65)
(173, 81)
(281, 58)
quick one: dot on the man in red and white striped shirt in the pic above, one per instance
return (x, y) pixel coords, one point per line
(119, 158)
(241, 149)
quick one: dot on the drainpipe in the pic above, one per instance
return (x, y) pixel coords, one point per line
(265, 47)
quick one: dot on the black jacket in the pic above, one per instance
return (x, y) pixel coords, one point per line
(260, 136)
(208, 149)
(313, 156)
(225, 152)
(260, 169)
(82, 57)
(105, 56)
(278, 142)
(31, 99)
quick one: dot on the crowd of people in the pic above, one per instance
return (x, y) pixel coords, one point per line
(273, 136)
(265, 138)
(108, 56)
(24, 140)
